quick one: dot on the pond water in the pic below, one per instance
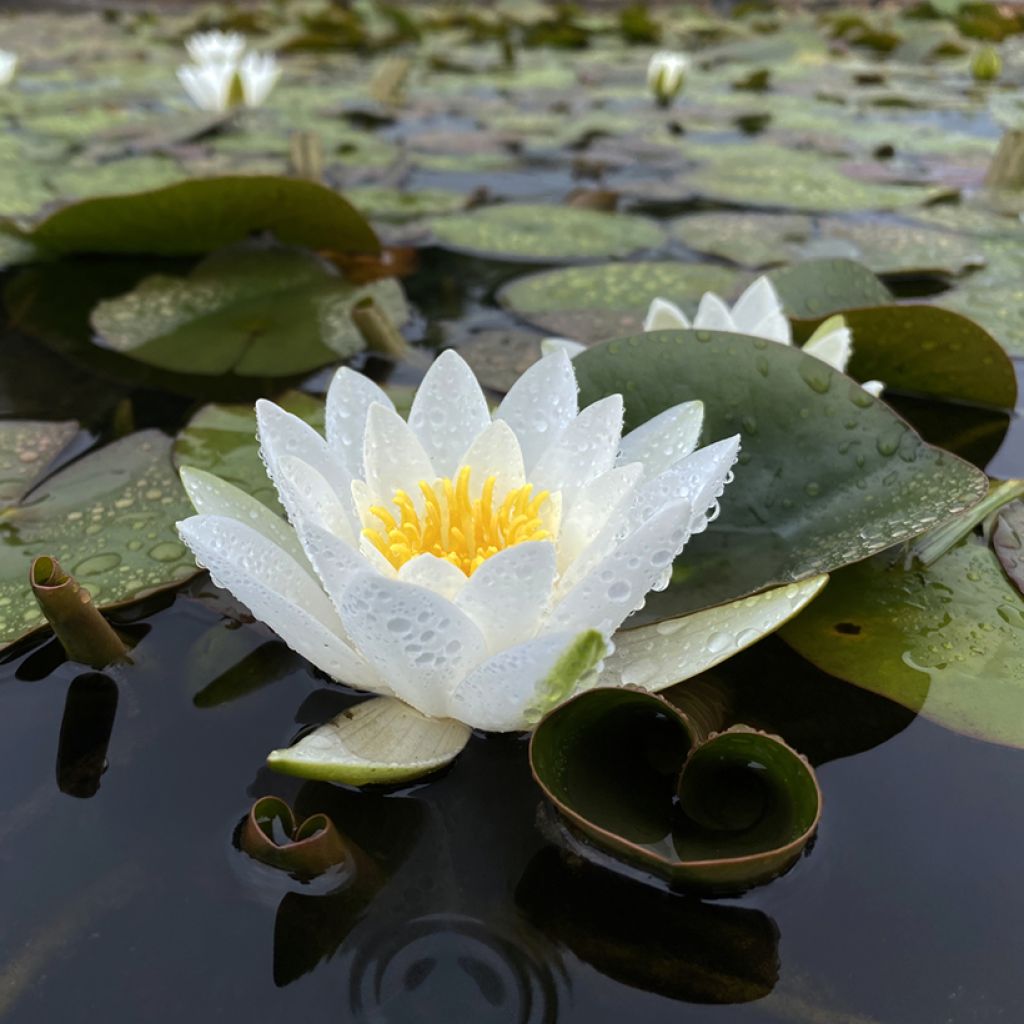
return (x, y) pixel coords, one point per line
(124, 895)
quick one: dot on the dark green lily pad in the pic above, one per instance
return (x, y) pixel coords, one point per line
(827, 474)
(194, 217)
(1008, 542)
(946, 641)
(252, 311)
(108, 518)
(612, 760)
(816, 288)
(610, 300)
(524, 232)
(746, 239)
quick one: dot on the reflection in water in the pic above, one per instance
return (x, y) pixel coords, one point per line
(649, 938)
(89, 712)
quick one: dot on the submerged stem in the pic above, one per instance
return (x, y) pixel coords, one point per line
(85, 635)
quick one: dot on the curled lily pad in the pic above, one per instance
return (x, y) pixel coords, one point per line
(609, 300)
(1008, 541)
(253, 311)
(946, 641)
(192, 217)
(523, 232)
(650, 783)
(108, 517)
(827, 474)
(815, 288)
(271, 835)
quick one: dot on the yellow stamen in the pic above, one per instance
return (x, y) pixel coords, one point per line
(462, 530)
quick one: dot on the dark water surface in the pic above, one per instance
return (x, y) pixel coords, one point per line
(124, 899)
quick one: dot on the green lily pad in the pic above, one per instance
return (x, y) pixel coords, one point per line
(610, 300)
(194, 217)
(1008, 542)
(252, 311)
(397, 206)
(827, 474)
(816, 288)
(997, 308)
(946, 641)
(524, 232)
(612, 760)
(108, 518)
(746, 239)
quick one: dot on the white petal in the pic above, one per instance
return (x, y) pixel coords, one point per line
(448, 412)
(665, 438)
(874, 387)
(567, 345)
(540, 405)
(381, 740)
(663, 315)
(278, 591)
(419, 643)
(619, 583)
(208, 85)
(756, 304)
(212, 496)
(774, 327)
(348, 401)
(714, 315)
(495, 452)
(435, 574)
(313, 499)
(510, 593)
(592, 509)
(258, 73)
(281, 434)
(334, 560)
(663, 654)
(500, 695)
(834, 347)
(587, 448)
(395, 459)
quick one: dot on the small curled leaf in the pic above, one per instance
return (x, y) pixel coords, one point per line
(271, 835)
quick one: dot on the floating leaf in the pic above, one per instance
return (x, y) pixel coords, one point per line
(199, 216)
(270, 834)
(998, 308)
(613, 760)
(523, 232)
(827, 474)
(747, 239)
(816, 288)
(1008, 541)
(252, 311)
(946, 641)
(611, 299)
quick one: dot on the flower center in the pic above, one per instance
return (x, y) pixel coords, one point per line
(462, 530)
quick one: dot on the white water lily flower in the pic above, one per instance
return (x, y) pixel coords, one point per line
(8, 66)
(258, 73)
(209, 86)
(216, 47)
(666, 73)
(470, 569)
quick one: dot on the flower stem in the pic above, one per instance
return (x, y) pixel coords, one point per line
(379, 333)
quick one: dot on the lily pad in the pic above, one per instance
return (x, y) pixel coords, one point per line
(199, 216)
(613, 761)
(524, 232)
(997, 308)
(271, 834)
(252, 311)
(611, 299)
(1008, 542)
(108, 518)
(814, 289)
(946, 641)
(827, 474)
(746, 239)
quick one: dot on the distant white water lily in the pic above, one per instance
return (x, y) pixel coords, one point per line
(757, 312)
(8, 66)
(666, 73)
(221, 77)
(469, 569)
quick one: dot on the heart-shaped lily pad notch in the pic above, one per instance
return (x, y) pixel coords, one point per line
(642, 779)
(610, 300)
(827, 474)
(531, 233)
(108, 517)
(199, 216)
(270, 834)
(256, 311)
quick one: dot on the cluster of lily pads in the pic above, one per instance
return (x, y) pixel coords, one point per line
(557, 549)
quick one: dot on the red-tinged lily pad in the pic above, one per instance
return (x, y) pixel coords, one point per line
(270, 834)
(1008, 542)
(656, 786)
